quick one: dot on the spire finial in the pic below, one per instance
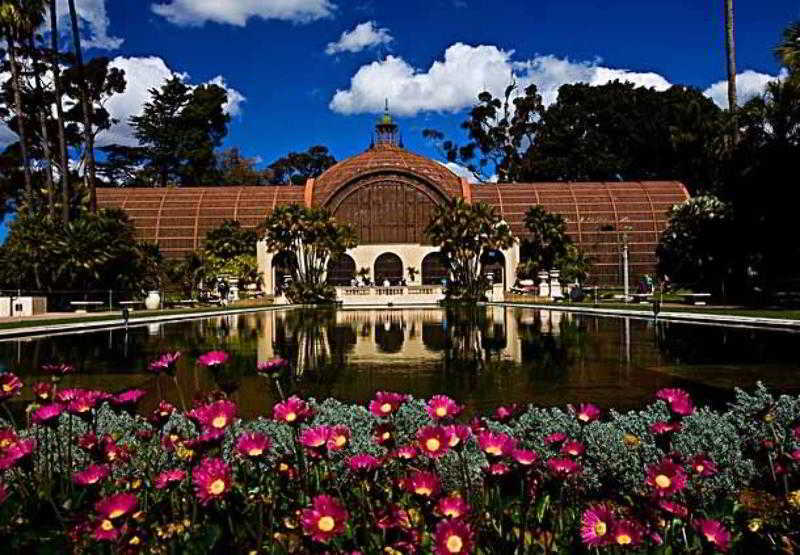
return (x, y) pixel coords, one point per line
(387, 105)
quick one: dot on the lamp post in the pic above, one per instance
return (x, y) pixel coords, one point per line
(625, 269)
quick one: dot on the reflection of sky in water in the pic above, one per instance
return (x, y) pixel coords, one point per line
(485, 357)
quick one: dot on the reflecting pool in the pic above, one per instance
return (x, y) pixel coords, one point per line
(484, 357)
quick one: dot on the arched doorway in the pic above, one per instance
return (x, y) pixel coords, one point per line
(282, 271)
(341, 271)
(494, 265)
(388, 266)
(434, 269)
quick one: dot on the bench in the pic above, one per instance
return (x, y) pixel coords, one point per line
(82, 307)
(642, 298)
(697, 299)
(186, 302)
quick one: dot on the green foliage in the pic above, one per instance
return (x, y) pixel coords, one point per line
(230, 240)
(465, 234)
(296, 167)
(547, 246)
(235, 169)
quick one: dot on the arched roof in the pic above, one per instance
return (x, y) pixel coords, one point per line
(388, 158)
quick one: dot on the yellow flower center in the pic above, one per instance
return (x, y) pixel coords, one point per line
(92, 479)
(433, 444)
(216, 487)
(326, 523)
(219, 422)
(7, 387)
(255, 451)
(663, 481)
(116, 513)
(291, 417)
(6, 443)
(386, 436)
(699, 468)
(573, 452)
(107, 525)
(600, 528)
(583, 417)
(455, 544)
(493, 450)
(711, 537)
(44, 395)
(441, 411)
(624, 539)
(340, 441)
(283, 467)
(386, 408)
(422, 490)
(112, 455)
(454, 440)
(135, 540)
(452, 513)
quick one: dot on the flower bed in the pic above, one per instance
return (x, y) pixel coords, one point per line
(400, 475)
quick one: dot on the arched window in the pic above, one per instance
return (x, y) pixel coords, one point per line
(282, 264)
(388, 266)
(494, 263)
(434, 269)
(341, 271)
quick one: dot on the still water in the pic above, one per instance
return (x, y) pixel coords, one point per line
(483, 357)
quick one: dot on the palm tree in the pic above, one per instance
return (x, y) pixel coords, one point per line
(88, 137)
(730, 48)
(788, 51)
(10, 17)
(62, 143)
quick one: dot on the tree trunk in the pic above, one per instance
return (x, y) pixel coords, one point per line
(23, 143)
(43, 123)
(730, 48)
(62, 142)
(87, 129)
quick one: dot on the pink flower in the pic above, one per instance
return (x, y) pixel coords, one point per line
(10, 385)
(452, 507)
(425, 484)
(253, 445)
(363, 463)
(406, 452)
(325, 519)
(169, 477)
(394, 517)
(714, 532)
(272, 367)
(217, 415)
(627, 533)
(43, 391)
(588, 412)
(91, 475)
(702, 465)
(679, 401)
(8, 437)
(434, 441)
(498, 469)
(162, 413)
(58, 369)
(129, 398)
(673, 508)
(165, 363)
(117, 505)
(386, 403)
(210, 437)
(555, 437)
(562, 467)
(506, 413)
(442, 406)
(339, 437)
(47, 415)
(213, 358)
(17, 453)
(212, 480)
(453, 536)
(292, 411)
(315, 439)
(81, 404)
(524, 457)
(496, 444)
(105, 531)
(666, 478)
(459, 434)
(660, 427)
(384, 435)
(573, 448)
(596, 525)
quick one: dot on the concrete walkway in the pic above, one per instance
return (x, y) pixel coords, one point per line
(666, 315)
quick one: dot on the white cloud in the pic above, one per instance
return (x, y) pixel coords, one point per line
(365, 35)
(94, 24)
(237, 12)
(453, 84)
(749, 84)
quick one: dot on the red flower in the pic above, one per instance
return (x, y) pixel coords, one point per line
(253, 445)
(82, 404)
(384, 435)
(434, 441)
(563, 468)
(129, 398)
(452, 507)
(596, 524)
(326, 519)
(386, 403)
(660, 427)
(673, 508)
(47, 415)
(666, 478)
(217, 415)
(165, 363)
(169, 477)
(339, 437)
(212, 480)
(588, 412)
(442, 406)
(91, 475)
(162, 413)
(213, 358)
(498, 469)
(105, 531)
(114, 453)
(272, 367)
(292, 411)
(453, 536)
(43, 390)
(363, 463)
(627, 533)
(17, 453)
(8, 437)
(211, 437)
(702, 465)
(496, 444)
(679, 401)
(10, 385)
(58, 369)
(394, 517)
(423, 483)
(406, 452)
(459, 434)
(506, 413)
(714, 532)
(573, 448)
(315, 439)
(116, 506)
(555, 437)
(524, 457)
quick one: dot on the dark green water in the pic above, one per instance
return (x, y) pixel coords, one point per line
(483, 357)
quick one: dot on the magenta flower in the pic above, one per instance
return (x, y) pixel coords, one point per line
(17, 453)
(425, 484)
(315, 439)
(573, 448)
(714, 532)
(496, 444)
(596, 525)
(292, 411)
(58, 369)
(661, 427)
(673, 508)
(453, 536)
(8, 437)
(498, 469)
(524, 457)
(210, 437)
(82, 404)
(165, 363)
(94, 474)
(406, 452)
(588, 412)
(393, 516)
(384, 435)
(47, 415)
(452, 507)
(679, 401)
(105, 531)
(562, 467)
(627, 533)
(442, 406)
(702, 465)
(325, 519)
(666, 478)
(363, 463)
(506, 413)
(272, 367)
(162, 413)
(459, 434)
(253, 445)
(213, 358)
(217, 415)
(434, 441)
(129, 399)
(168, 478)
(43, 391)
(339, 437)
(212, 480)
(386, 403)
(10, 385)
(117, 505)
(555, 437)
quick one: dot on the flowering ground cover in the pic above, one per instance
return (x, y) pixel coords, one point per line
(84, 471)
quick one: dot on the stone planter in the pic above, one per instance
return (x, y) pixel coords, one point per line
(153, 300)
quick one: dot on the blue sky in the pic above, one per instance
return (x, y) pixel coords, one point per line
(430, 57)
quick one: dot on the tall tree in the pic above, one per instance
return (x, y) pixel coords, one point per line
(730, 51)
(88, 138)
(296, 167)
(788, 50)
(236, 169)
(55, 68)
